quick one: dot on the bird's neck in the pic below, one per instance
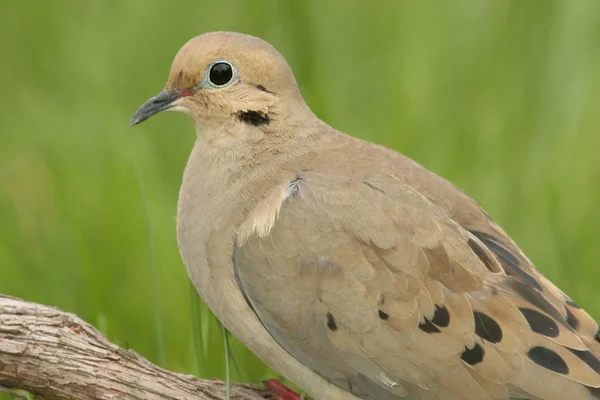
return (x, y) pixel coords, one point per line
(222, 160)
(238, 147)
(224, 178)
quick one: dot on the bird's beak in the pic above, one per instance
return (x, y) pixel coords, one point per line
(162, 101)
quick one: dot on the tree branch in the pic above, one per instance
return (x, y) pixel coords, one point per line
(56, 355)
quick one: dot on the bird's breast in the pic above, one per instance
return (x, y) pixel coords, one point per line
(205, 202)
(215, 201)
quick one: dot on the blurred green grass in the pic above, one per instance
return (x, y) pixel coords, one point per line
(500, 97)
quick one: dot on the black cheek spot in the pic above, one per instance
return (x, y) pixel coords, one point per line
(383, 315)
(479, 252)
(331, 322)
(598, 336)
(486, 328)
(587, 357)
(441, 317)
(428, 327)
(473, 356)
(572, 320)
(540, 323)
(255, 118)
(548, 359)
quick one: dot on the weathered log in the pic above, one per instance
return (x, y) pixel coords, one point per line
(57, 355)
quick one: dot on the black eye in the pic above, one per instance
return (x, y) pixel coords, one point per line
(220, 74)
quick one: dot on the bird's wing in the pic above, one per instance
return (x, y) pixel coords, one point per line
(467, 213)
(378, 290)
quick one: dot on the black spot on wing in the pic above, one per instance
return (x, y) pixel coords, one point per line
(508, 260)
(331, 322)
(478, 250)
(540, 323)
(255, 118)
(486, 328)
(535, 298)
(548, 359)
(383, 315)
(587, 357)
(573, 304)
(571, 319)
(598, 336)
(473, 356)
(441, 316)
(428, 327)
(491, 242)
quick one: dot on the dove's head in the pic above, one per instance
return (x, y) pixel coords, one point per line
(228, 80)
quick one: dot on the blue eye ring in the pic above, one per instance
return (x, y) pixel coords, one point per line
(219, 74)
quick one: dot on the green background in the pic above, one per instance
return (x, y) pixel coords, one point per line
(500, 97)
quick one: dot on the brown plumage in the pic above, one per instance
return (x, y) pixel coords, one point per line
(347, 267)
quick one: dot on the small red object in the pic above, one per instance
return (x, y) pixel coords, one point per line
(186, 93)
(279, 391)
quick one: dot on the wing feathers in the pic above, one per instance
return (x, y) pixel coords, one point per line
(410, 300)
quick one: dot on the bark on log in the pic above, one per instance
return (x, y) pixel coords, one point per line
(56, 355)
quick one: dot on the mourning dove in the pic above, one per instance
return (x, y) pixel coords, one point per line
(348, 267)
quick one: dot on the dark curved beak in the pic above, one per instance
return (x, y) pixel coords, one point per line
(162, 101)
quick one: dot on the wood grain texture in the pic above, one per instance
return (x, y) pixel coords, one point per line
(56, 355)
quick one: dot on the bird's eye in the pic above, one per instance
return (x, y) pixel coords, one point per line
(220, 74)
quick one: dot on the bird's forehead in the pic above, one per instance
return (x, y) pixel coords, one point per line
(252, 56)
(191, 62)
